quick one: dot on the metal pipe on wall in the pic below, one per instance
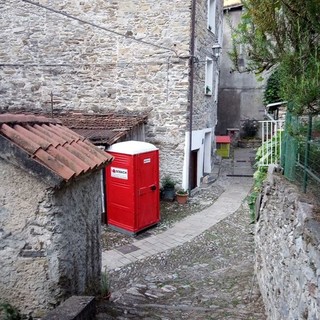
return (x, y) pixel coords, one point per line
(192, 49)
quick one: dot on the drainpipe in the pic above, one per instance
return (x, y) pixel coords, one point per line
(191, 63)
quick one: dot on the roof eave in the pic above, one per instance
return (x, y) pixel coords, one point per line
(233, 7)
(20, 158)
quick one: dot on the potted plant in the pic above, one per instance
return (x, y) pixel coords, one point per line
(105, 286)
(168, 190)
(248, 134)
(182, 196)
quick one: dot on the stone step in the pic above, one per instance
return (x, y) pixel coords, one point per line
(74, 308)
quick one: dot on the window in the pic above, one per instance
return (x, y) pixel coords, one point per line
(209, 77)
(212, 15)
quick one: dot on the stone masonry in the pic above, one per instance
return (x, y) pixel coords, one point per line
(97, 66)
(288, 255)
(49, 239)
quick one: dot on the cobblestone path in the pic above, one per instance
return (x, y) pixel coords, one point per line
(210, 277)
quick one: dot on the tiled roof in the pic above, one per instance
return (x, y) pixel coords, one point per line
(53, 145)
(223, 139)
(105, 128)
(228, 3)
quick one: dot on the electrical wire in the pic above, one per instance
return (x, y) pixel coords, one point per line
(79, 65)
(98, 26)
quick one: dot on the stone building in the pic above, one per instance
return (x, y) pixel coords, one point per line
(50, 206)
(145, 56)
(240, 94)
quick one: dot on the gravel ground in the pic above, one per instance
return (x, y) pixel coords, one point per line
(171, 212)
(210, 277)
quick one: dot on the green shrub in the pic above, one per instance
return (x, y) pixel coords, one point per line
(259, 176)
(268, 152)
(9, 312)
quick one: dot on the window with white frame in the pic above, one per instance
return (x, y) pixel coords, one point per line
(209, 76)
(212, 15)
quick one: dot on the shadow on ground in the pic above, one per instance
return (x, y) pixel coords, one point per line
(170, 212)
(210, 277)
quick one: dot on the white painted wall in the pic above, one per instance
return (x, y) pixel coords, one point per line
(202, 140)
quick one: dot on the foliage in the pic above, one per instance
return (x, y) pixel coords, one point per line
(272, 91)
(269, 151)
(301, 154)
(265, 152)
(259, 176)
(9, 312)
(283, 34)
(316, 125)
(300, 133)
(105, 284)
(249, 127)
(313, 159)
(182, 192)
(167, 182)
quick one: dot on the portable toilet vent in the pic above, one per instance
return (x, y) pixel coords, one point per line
(132, 182)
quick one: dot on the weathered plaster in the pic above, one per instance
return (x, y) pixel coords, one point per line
(49, 239)
(240, 94)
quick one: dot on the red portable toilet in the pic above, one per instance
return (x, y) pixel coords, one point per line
(132, 182)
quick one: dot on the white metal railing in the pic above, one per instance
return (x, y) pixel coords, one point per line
(271, 138)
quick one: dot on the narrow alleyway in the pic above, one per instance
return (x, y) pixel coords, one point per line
(208, 277)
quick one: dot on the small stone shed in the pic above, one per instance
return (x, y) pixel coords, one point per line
(50, 206)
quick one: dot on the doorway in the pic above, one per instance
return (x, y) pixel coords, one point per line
(193, 168)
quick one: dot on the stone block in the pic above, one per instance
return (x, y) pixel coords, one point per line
(74, 308)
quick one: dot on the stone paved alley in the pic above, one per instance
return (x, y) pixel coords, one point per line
(208, 277)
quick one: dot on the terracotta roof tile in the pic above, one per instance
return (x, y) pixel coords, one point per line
(53, 145)
(106, 128)
(24, 118)
(223, 139)
(14, 135)
(51, 136)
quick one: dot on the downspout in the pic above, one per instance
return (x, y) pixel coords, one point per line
(191, 62)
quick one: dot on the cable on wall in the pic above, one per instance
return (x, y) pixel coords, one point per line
(98, 26)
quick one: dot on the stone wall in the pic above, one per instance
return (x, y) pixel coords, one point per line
(288, 253)
(240, 94)
(205, 107)
(91, 68)
(49, 239)
(76, 237)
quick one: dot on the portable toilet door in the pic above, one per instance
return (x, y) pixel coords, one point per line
(132, 183)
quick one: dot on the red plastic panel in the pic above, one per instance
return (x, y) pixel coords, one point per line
(120, 192)
(132, 183)
(148, 186)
